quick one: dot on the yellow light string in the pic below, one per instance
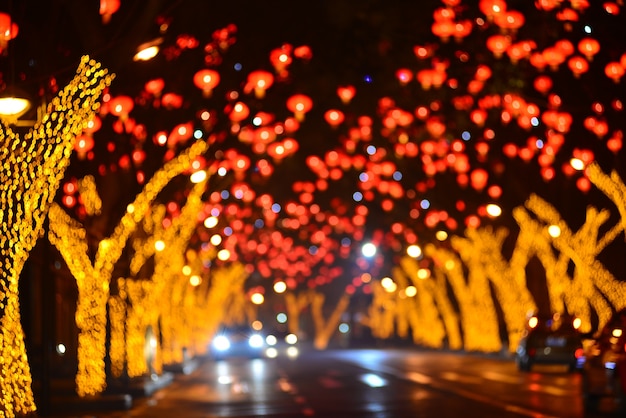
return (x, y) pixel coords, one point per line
(448, 312)
(407, 312)
(175, 330)
(117, 316)
(93, 280)
(89, 196)
(195, 300)
(612, 186)
(30, 174)
(139, 319)
(484, 256)
(428, 327)
(592, 282)
(144, 244)
(381, 312)
(225, 282)
(476, 307)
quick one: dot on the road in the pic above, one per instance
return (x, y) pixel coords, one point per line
(368, 383)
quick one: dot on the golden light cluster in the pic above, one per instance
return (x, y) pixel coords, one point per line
(481, 277)
(183, 321)
(32, 168)
(94, 279)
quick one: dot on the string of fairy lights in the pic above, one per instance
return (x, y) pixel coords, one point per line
(471, 267)
(390, 311)
(32, 168)
(94, 279)
(543, 234)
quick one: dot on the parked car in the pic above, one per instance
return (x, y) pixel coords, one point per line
(237, 341)
(604, 371)
(553, 339)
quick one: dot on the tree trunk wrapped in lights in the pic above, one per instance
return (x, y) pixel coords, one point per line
(169, 278)
(30, 173)
(93, 280)
(476, 306)
(592, 285)
(295, 304)
(428, 323)
(483, 255)
(226, 282)
(325, 329)
(381, 312)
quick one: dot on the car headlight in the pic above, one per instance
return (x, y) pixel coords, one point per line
(255, 341)
(271, 340)
(221, 343)
(291, 339)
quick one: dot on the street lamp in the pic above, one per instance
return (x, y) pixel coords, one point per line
(13, 105)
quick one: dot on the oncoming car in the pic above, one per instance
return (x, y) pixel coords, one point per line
(280, 344)
(237, 341)
(554, 339)
(604, 372)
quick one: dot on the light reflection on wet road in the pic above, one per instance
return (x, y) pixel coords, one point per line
(364, 384)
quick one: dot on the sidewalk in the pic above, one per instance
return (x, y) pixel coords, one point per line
(119, 395)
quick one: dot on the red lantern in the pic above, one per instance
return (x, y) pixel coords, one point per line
(547, 5)
(82, 145)
(435, 127)
(239, 112)
(138, 156)
(589, 47)
(510, 20)
(121, 106)
(155, 87)
(614, 143)
(565, 46)
(478, 178)
(180, 134)
(478, 116)
(259, 81)
(614, 71)
(299, 104)
(303, 52)
(281, 59)
(517, 52)
(172, 100)
(346, 93)
(567, 15)
(334, 117)
(93, 125)
(498, 44)
(611, 8)
(426, 78)
(543, 84)
(462, 29)
(444, 29)
(583, 184)
(8, 30)
(578, 65)
(553, 57)
(206, 80)
(404, 76)
(107, 8)
(537, 60)
(492, 8)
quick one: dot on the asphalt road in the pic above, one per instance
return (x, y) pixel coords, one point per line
(365, 384)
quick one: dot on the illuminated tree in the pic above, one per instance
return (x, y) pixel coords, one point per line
(32, 169)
